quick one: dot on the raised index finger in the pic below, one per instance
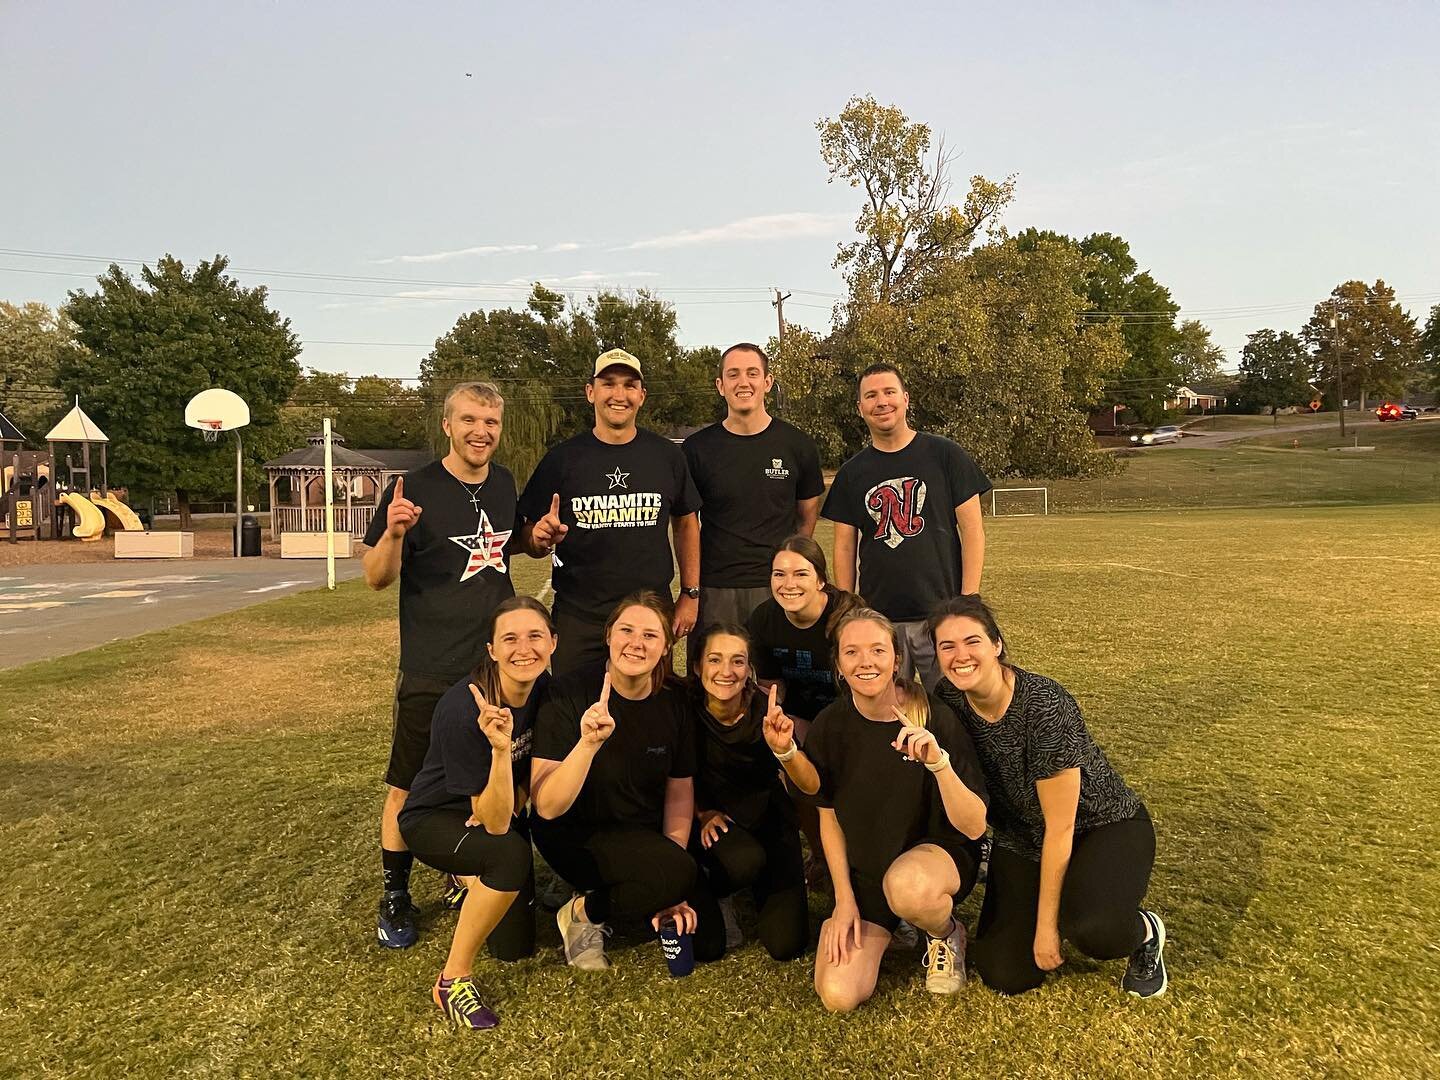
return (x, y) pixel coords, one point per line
(479, 697)
(605, 692)
(772, 696)
(399, 492)
(555, 505)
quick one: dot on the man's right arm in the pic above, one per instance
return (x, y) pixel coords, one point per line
(847, 539)
(382, 562)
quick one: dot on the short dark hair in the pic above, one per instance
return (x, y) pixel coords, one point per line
(968, 606)
(743, 346)
(882, 368)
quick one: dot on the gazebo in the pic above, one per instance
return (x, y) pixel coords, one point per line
(77, 427)
(297, 488)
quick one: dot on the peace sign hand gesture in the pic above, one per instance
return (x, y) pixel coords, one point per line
(596, 723)
(402, 514)
(496, 724)
(915, 742)
(779, 729)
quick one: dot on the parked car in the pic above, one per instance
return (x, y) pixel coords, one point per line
(1389, 411)
(1164, 434)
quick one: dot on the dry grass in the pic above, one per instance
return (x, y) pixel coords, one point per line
(189, 819)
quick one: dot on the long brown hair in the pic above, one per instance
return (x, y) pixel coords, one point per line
(486, 674)
(840, 600)
(911, 694)
(654, 602)
(751, 688)
(969, 606)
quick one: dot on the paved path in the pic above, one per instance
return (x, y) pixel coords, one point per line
(48, 611)
(1203, 439)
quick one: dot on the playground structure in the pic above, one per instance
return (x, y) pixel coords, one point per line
(37, 503)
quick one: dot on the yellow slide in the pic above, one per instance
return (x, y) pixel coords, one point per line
(124, 517)
(92, 521)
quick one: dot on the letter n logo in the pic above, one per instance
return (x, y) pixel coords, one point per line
(896, 506)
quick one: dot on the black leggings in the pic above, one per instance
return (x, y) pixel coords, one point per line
(768, 861)
(626, 872)
(440, 839)
(1105, 882)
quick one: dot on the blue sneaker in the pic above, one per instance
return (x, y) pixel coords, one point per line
(396, 926)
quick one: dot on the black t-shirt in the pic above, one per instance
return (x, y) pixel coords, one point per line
(750, 485)
(653, 742)
(457, 765)
(454, 566)
(903, 503)
(618, 502)
(1041, 734)
(735, 770)
(886, 803)
(799, 658)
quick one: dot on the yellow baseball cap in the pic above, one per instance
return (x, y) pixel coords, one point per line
(616, 358)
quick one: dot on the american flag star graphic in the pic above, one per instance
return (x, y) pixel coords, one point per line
(486, 547)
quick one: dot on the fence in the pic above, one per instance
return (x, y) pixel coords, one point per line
(354, 520)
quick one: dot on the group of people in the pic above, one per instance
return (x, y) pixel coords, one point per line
(891, 733)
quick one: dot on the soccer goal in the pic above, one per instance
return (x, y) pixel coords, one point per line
(1019, 502)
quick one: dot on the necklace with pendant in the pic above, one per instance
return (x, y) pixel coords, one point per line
(474, 494)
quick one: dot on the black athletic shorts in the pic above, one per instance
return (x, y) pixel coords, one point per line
(870, 892)
(415, 700)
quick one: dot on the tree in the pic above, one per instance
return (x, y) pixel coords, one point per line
(1198, 358)
(369, 411)
(148, 346)
(1377, 347)
(1275, 371)
(1430, 347)
(32, 340)
(906, 224)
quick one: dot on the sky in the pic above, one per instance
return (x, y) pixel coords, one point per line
(1253, 155)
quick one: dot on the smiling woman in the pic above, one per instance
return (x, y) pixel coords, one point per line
(613, 780)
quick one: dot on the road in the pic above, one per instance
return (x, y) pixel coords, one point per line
(48, 611)
(1216, 440)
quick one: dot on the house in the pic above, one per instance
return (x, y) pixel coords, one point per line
(1198, 399)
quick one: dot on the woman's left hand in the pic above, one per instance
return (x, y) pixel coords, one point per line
(712, 824)
(682, 915)
(1047, 949)
(496, 724)
(916, 742)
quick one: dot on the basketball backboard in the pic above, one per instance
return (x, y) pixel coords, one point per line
(217, 410)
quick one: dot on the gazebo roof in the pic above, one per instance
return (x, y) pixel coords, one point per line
(313, 456)
(76, 427)
(8, 431)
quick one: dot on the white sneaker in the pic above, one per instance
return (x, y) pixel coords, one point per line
(945, 961)
(904, 937)
(733, 937)
(584, 941)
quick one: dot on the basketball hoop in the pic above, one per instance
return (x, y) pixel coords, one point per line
(210, 429)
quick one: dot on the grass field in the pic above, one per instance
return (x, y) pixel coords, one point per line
(189, 824)
(1267, 471)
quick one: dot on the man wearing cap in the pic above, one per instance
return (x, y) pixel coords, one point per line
(607, 502)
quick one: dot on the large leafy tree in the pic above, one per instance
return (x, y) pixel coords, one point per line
(149, 345)
(1275, 371)
(1374, 346)
(1197, 356)
(1430, 347)
(32, 340)
(370, 411)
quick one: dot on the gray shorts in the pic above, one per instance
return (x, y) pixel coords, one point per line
(917, 653)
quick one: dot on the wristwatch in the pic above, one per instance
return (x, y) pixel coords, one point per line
(692, 591)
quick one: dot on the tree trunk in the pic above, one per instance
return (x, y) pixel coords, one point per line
(182, 505)
(1362, 399)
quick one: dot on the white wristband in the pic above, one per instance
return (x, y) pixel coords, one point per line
(942, 764)
(788, 754)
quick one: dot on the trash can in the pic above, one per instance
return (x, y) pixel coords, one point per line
(249, 535)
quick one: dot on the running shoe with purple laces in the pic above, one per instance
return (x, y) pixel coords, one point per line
(459, 1000)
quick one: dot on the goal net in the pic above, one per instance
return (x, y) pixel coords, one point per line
(1019, 502)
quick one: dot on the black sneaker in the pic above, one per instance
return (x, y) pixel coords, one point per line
(1145, 975)
(453, 892)
(396, 926)
(987, 845)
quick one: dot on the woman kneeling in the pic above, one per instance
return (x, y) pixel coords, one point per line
(1073, 844)
(463, 812)
(613, 778)
(902, 805)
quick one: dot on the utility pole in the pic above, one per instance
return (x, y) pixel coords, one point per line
(1339, 373)
(779, 305)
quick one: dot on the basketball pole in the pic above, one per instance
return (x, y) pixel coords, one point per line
(239, 490)
(329, 511)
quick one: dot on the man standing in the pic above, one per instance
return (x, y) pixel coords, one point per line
(759, 480)
(908, 505)
(444, 531)
(606, 502)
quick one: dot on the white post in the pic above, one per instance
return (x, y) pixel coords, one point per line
(239, 490)
(329, 511)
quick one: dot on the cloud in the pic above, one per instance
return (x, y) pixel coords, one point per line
(568, 245)
(748, 230)
(460, 253)
(515, 289)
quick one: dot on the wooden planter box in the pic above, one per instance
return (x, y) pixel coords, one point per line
(154, 545)
(299, 545)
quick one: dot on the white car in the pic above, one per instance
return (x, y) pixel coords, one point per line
(1165, 434)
